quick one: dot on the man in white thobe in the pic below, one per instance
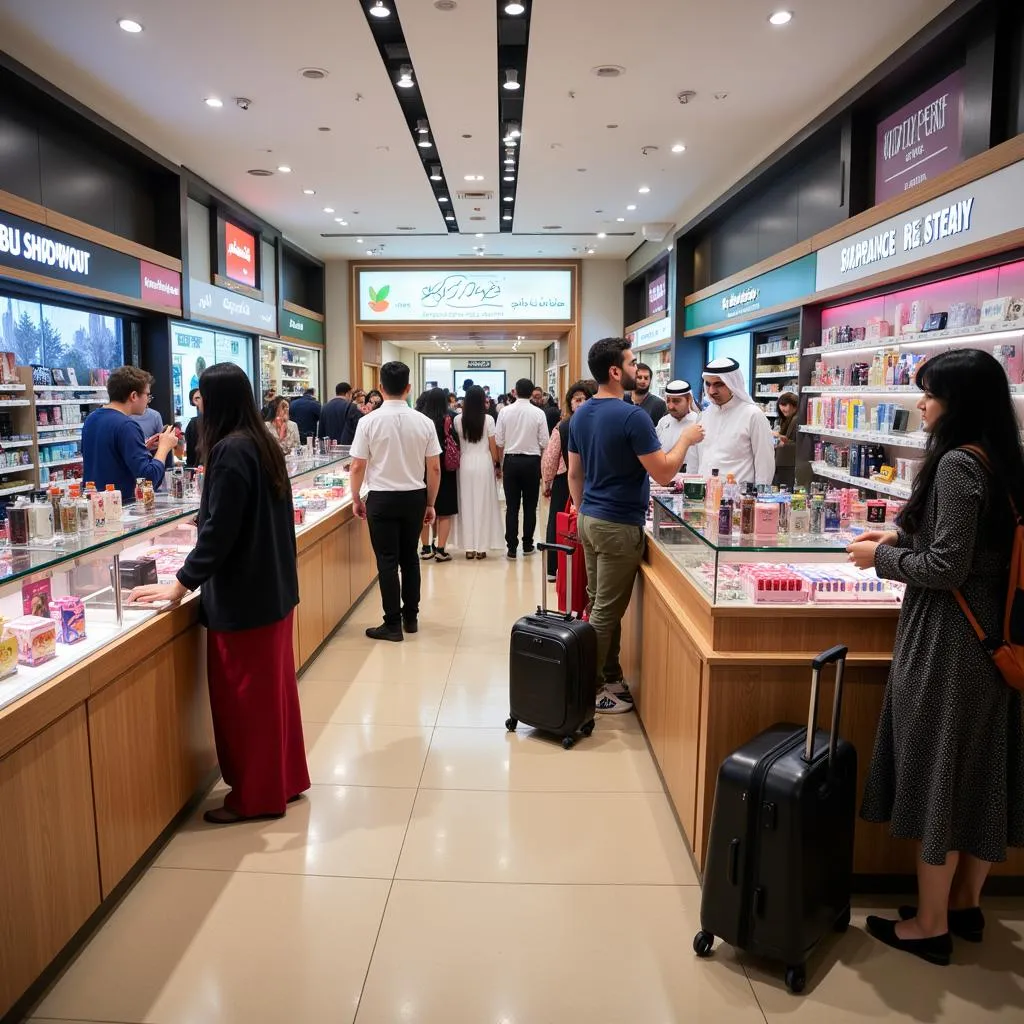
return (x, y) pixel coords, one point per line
(679, 399)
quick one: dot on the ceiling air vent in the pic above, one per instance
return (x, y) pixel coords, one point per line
(608, 70)
(478, 216)
(315, 74)
(260, 172)
(474, 196)
(552, 227)
(404, 227)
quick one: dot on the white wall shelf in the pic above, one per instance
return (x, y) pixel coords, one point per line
(915, 440)
(893, 490)
(993, 333)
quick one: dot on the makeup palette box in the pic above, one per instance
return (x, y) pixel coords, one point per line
(36, 637)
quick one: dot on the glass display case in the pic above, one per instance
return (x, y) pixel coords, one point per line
(751, 571)
(64, 597)
(289, 368)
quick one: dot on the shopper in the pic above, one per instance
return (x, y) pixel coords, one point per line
(612, 449)
(392, 451)
(785, 440)
(113, 445)
(554, 467)
(244, 558)
(547, 406)
(152, 423)
(374, 400)
(192, 429)
(434, 405)
(304, 412)
(339, 416)
(359, 398)
(281, 426)
(477, 528)
(738, 437)
(644, 397)
(522, 435)
(681, 414)
(268, 401)
(948, 764)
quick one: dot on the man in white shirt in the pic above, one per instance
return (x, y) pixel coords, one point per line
(397, 453)
(679, 401)
(521, 434)
(737, 435)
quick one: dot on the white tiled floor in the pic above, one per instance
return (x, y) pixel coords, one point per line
(445, 872)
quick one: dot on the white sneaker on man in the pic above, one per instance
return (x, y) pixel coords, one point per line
(610, 702)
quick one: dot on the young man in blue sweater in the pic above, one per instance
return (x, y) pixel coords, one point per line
(113, 447)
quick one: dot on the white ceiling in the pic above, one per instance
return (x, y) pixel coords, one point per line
(574, 171)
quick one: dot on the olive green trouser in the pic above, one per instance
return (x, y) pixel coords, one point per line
(613, 552)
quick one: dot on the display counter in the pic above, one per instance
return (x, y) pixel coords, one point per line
(720, 634)
(108, 738)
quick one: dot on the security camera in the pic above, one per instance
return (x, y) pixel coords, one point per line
(243, 103)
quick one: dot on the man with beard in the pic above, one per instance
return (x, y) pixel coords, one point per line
(681, 414)
(642, 396)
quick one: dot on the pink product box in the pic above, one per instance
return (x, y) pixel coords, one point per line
(69, 615)
(774, 584)
(878, 328)
(840, 586)
(36, 636)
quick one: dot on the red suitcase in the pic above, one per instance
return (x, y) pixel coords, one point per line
(567, 532)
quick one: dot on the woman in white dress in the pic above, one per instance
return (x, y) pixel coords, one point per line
(478, 527)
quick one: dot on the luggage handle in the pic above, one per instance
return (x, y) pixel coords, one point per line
(837, 655)
(568, 551)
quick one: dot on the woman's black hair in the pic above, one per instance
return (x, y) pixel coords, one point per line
(786, 398)
(434, 406)
(192, 396)
(229, 410)
(375, 392)
(975, 391)
(581, 387)
(474, 413)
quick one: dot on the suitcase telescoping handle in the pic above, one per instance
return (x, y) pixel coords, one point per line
(835, 654)
(568, 551)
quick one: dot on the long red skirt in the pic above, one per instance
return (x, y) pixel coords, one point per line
(254, 697)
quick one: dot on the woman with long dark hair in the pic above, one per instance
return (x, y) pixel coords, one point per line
(948, 764)
(280, 424)
(433, 403)
(554, 468)
(478, 528)
(785, 440)
(246, 538)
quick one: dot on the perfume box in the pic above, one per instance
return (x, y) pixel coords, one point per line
(878, 328)
(69, 615)
(995, 311)
(36, 599)
(36, 638)
(8, 655)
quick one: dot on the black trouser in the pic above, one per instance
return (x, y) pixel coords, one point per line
(559, 497)
(395, 519)
(521, 475)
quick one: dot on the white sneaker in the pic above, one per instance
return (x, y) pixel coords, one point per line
(620, 689)
(609, 703)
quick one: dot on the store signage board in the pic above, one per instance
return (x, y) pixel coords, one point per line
(921, 140)
(778, 287)
(478, 364)
(160, 286)
(657, 294)
(239, 254)
(651, 334)
(208, 302)
(300, 328)
(986, 208)
(418, 295)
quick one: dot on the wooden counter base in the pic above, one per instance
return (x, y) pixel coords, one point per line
(97, 763)
(712, 678)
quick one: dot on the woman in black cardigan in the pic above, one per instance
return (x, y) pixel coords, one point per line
(246, 536)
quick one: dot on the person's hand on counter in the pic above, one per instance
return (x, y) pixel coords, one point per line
(157, 593)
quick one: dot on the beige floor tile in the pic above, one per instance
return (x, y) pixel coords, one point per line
(854, 978)
(366, 755)
(473, 668)
(352, 637)
(459, 835)
(472, 953)
(610, 761)
(396, 702)
(208, 947)
(473, 705)
(334, 830)
(487, 641)
(380, 661)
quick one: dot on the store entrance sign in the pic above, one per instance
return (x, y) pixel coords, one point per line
(785, 285)
(984, 209)
(300, 328)
(478, 364)
(651, 334)
(160, 286)
(440, 295)
(208, 302)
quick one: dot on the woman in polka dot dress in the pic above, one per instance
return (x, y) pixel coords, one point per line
(948, 764)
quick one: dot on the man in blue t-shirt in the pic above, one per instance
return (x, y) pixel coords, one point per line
(613, 452)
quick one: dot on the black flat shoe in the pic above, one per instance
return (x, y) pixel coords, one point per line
(223, 816)
(937, 950)
(386, 632)
(411, 625)
(967, 924)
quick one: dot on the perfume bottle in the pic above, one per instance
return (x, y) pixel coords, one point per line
(112, 506)
(83, 511)
(69, 514)
(148, 496)
(54, 496)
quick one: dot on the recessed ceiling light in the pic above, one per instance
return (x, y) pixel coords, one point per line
(507, 216)
(510, 177)
(449, 216)
(678, 148)
(424, 142)
(513, 7)
(212, 101)
(378, 10)
(127, 25)
(643, 190)
(284, 169)
(508, 199)
(668, 248)
(435, 172)
(632, 206)
(369, 252)
(442, 199)
(591, 251)
(328, 209)
(405, 77)
(359, 241)
(514, 131)
(601, 234)
(621, 220)
(473, 177)
(511, 79)
(340, 220)
(479, 234)
(309, 191)
(422, 127)
(781, 18)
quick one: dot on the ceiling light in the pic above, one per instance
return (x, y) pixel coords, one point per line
(284, 169)
(328, 209)
(212, 101)
(378, 10)
(309, 191)
(781, 18)
(511, 79)
(510, 177)
(359, 241)
(442, 199)
(340, 220)
(668, 248)
(513, 7)
(591, 251)
(424, 142)
(508, 199)
(449, 216)
(422, 128)
(510, 161)
(127, 25)
(435, 172)
(369, 252)
(507, 216)
(601, 234)
(405, 77)
(473, 177)
(632, 206)
(643, 190)
(678, 148)
(479, 234)
(513, 130)
(510, 142)
(621, 220)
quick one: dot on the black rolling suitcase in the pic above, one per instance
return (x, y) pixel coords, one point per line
(552, 668)
(780, 856)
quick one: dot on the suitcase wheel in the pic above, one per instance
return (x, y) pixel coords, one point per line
(588, 728)
(844, 921)
(796, 979)
(568, 742)
(511, 723)
(702, 943)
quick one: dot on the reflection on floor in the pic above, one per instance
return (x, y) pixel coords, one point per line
(443, 871)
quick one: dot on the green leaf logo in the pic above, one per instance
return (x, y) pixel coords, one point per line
(384, 293)
(373, 294)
